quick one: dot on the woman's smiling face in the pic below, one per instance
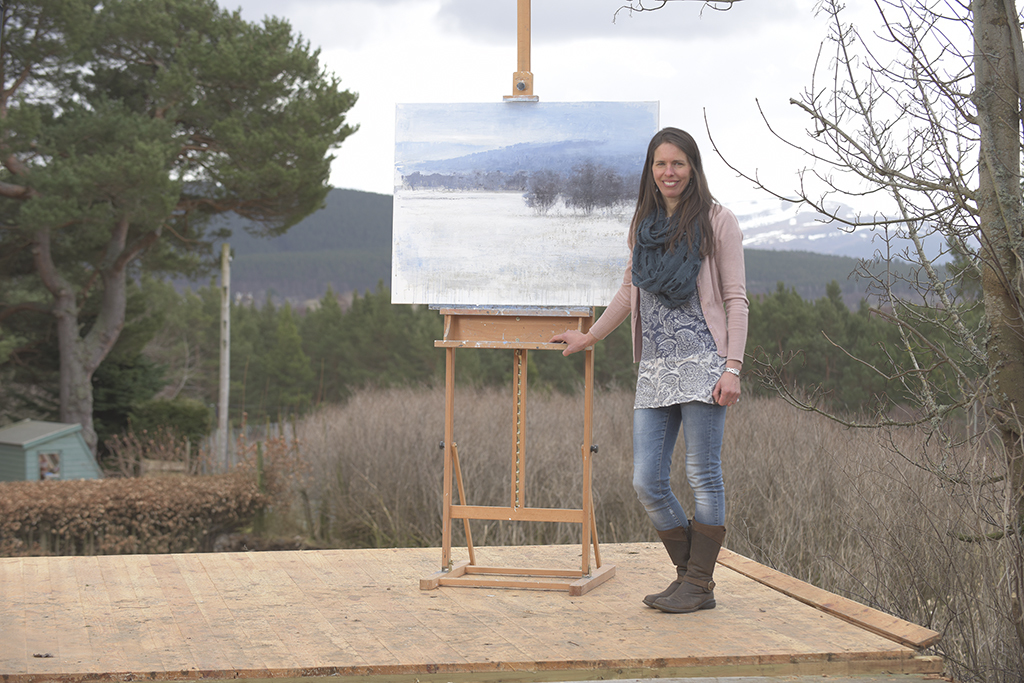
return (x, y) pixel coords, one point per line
(672, 173)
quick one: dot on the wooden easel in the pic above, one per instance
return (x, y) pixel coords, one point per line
(519, 330)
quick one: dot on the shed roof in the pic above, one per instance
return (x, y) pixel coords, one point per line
(29, 432)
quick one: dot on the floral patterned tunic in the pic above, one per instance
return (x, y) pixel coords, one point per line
(679, 361)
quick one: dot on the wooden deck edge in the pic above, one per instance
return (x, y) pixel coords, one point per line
(868, 618)
(522, 672)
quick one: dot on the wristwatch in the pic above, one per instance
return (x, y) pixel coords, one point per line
(733, 371)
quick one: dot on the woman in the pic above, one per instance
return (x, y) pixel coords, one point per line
(685, 290)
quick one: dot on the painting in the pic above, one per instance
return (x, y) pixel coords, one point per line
(515, 204)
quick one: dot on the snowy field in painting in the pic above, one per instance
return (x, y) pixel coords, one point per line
(490, 249)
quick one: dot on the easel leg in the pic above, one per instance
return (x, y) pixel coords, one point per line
(593, 532)
(462, 501)
(449, 445)
(589, 525)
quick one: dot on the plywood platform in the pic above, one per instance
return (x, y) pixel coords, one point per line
(361, 613)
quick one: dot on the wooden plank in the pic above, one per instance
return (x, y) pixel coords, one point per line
(449, 450)
(517, 471)
(525, 571)
(130, 612)
(348, 575)
(167, 646)
(195, 604)
(504, 582)
(295, 616)
(321, 606)
(41, 642)
(497, 512)
(343, 613)
(434, 580)
(105, 638)
(13, 620)
(536, 311)
(70, 614)
(510, 330)
(509, 345)
(253, 609)
(873, 620)
(394, 605)
(585, 584)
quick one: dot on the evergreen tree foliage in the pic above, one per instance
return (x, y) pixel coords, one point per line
(288, 370)
(285, 361)
(124, 126)
(822, 348)
(184, 417)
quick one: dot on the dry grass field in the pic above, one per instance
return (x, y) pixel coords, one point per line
(858, 512)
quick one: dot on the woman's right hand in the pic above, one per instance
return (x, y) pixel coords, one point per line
(574, 340)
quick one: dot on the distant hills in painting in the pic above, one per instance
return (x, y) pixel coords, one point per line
(530, 157)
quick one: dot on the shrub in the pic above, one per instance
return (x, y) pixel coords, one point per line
(124, 516)
(187, 417)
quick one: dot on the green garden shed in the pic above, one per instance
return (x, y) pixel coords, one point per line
(31, 450)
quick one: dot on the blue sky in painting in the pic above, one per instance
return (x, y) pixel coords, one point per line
(426, 132)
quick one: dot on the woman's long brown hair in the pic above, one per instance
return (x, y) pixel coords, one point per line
(695, 203)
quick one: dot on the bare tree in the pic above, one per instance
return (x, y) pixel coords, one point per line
(923, 115)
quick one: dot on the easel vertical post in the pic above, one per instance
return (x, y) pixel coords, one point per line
(519, 366)
(588, 441)
(522, 79)
(449, 445)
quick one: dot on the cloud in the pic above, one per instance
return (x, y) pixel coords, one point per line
(696, 62)
(561, 21)
(329, 24)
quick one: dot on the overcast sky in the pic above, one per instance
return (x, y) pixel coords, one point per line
(695, 61)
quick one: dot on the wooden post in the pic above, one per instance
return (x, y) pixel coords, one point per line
(522, 79)
(225, 355)
(520, 362)
(449, 453)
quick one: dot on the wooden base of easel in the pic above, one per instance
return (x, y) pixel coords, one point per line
(465, 574)
(519, 330)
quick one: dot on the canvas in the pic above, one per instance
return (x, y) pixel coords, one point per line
(515, 203)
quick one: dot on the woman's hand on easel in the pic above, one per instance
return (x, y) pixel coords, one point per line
(574, 341)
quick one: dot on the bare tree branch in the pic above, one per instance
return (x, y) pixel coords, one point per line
(655, 5)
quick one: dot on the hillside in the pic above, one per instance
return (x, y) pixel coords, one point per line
(347, 246)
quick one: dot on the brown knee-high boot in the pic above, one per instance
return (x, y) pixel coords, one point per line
(677, 543)
(696, 590)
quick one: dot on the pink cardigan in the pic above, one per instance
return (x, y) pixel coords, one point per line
(721, 284)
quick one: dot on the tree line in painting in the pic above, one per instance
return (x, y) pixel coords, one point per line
(588, 186)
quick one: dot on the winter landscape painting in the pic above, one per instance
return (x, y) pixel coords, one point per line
(515, 203)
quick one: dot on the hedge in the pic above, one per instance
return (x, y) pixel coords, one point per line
(124, 516)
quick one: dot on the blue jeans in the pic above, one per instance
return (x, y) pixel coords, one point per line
(654, 438)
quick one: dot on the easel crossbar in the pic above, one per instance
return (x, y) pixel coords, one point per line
(498, 513)
(523, 571)
(575, 583)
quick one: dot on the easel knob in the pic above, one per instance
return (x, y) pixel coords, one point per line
(522, 83)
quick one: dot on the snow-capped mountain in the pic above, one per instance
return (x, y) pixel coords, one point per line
(782, 226)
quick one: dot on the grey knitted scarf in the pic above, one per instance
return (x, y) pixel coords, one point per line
(671, 275)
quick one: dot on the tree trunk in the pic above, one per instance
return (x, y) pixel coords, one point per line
(81, 355)
(997, 97)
